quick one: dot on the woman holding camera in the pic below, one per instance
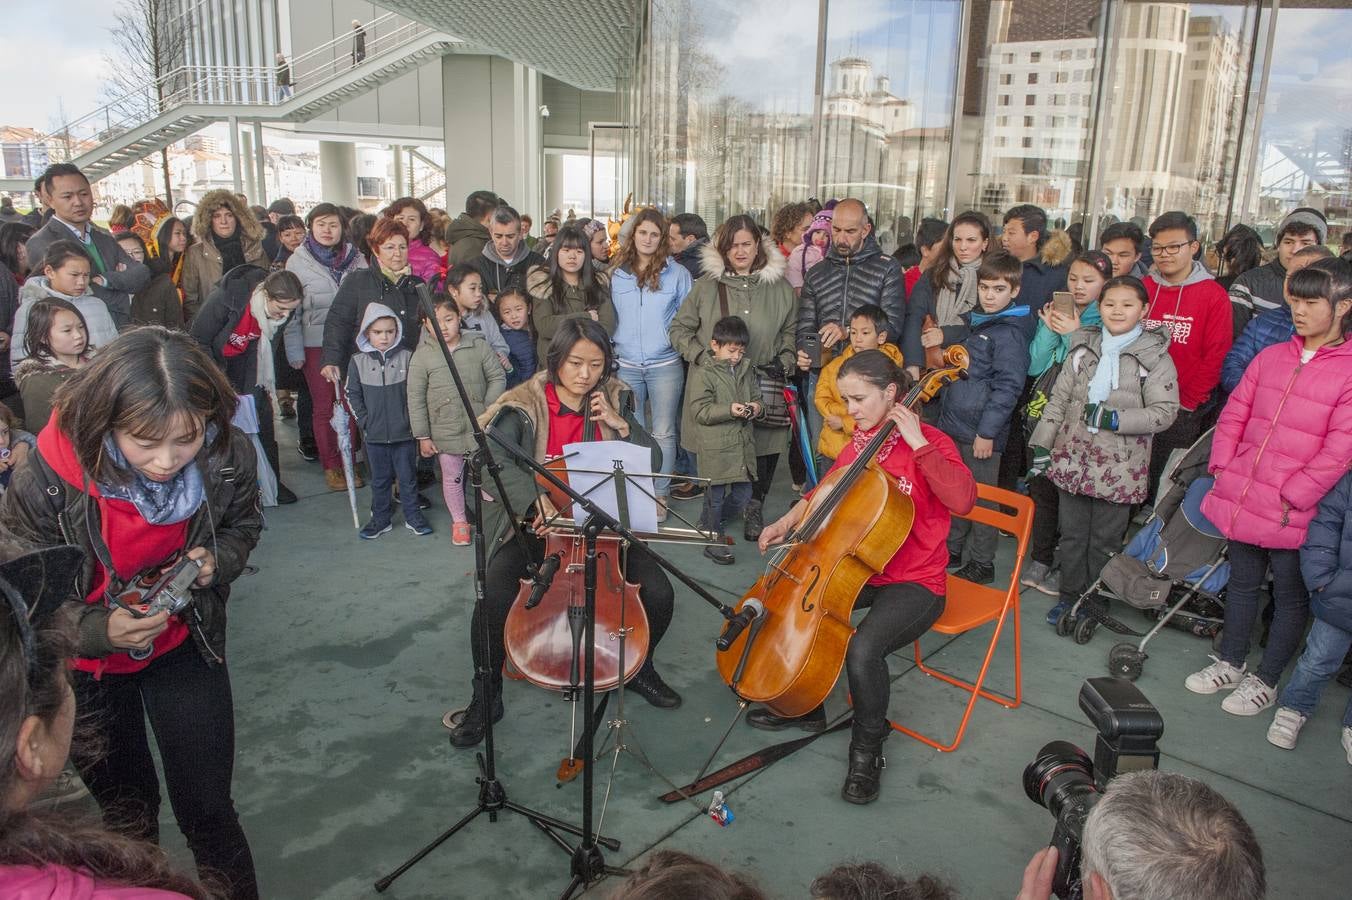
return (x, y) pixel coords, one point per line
(140, 468)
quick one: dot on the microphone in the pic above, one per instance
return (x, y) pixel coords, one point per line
(544, 577)
(752, 610)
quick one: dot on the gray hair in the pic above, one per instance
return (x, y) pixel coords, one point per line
(1157, 835)
(505, 215)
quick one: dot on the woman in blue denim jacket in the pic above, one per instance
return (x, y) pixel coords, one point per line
(646, 288)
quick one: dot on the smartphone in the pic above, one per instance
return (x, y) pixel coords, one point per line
(812, 346)
(1063, 303)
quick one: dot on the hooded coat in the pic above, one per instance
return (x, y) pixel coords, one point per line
(38, 379)
(838, 285)
(434, 407)
(202, 264)
(97, 318)
(1109, 465)
(499, 273)
(546, 319)
(1282, 442)
(1201, 330)
(763, 300)
(377, 383)
(358, 290)
(727, 443)
(160, 302)
(981, 404)
(466, 238)
(1326, 557)
(220, 315)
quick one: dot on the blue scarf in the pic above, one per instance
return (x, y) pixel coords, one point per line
(1104, 381)
(158, 503)
(979, 318)
(335, 259)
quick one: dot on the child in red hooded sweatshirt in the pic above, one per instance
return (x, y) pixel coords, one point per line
(1193, 306)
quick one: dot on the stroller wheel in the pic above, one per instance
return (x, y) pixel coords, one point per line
(1125, 661)
(1065, 623)
(1084, 630)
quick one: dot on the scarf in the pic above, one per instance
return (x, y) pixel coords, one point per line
(158, 503)
(335, 259)
(860, 439)
(395, 277)
(1105, 377)
(980, 318)
(268, 328)
(231, 249)
(958, 294)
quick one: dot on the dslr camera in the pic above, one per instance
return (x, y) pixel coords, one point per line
(1065, 780)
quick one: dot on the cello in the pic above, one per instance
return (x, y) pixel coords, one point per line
(791, 655)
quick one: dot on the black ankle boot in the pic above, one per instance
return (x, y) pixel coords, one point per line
(863, 781)
(469, 732)
(761, 717)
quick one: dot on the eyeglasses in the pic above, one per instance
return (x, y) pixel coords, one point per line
(1168, 249)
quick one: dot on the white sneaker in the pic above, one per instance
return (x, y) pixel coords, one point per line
(1220, 675)
(1347, 742)
(1285, 728)
(1250, 698)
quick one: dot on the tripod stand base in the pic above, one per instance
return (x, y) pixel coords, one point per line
(493, 800)
(588, 866)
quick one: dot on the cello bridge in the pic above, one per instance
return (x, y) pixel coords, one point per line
(621, 633)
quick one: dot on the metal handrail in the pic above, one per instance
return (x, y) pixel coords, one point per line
(231, 85)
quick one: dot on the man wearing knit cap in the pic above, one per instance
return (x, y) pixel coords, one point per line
(1260, 288)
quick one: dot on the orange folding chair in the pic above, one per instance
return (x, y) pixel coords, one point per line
(973, 605)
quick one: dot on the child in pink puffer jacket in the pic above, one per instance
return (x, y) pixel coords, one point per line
(810, 251)
(1283, 441)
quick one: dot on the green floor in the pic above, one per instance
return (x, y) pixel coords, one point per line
(344, 655)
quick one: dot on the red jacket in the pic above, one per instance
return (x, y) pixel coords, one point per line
(938, 483)
(1282, 442)
(1201, 330)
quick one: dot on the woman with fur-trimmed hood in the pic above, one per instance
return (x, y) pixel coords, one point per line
(227, 235)
(743, 277)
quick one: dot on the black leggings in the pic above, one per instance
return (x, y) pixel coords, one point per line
(765, 474)
(191, 711)
(898, 614)
(502, 583)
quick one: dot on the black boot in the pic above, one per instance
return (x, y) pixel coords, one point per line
(752, 526)
(470, 730)
(650, 686)
(764, 719)
(864, 778)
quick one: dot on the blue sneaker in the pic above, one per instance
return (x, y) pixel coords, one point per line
(1054, 613)
(373, 529)
(419, 527)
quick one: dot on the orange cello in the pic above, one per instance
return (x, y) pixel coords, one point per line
(791, 655)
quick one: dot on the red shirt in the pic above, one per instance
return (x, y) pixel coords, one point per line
(911, 276)
(565, 425)
(924, 475)
(133, 544)
(246, 331)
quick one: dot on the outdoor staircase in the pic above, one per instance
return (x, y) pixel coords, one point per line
(128, 130)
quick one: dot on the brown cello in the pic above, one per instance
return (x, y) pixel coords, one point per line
(857, 519)
(544, 642)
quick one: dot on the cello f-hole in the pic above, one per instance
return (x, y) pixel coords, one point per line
(807, 592)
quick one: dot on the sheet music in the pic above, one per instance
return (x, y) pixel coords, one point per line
(588, 458)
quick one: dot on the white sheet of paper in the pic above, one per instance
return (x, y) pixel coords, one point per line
(600, 456)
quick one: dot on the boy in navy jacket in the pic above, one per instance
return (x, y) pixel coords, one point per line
(976, 412)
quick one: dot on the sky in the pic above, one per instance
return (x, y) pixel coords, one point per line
(75, 81)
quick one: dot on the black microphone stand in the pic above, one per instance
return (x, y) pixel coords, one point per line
(492, 795)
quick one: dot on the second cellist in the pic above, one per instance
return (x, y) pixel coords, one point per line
(906, 597)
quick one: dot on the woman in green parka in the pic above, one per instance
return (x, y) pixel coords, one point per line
(570, 285)
(743, 277)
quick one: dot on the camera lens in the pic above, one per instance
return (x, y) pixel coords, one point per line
(1061, 771)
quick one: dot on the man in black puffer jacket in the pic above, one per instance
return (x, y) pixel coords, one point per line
(855, 272)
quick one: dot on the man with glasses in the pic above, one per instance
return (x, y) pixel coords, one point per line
(1195, 309)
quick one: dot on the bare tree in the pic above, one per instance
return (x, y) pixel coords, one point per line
(147, 41)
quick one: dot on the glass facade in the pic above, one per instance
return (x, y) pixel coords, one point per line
(1096, 110)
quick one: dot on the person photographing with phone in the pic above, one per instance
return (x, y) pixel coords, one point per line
(140, 467)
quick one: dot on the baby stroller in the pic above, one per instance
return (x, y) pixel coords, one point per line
(1174, 570)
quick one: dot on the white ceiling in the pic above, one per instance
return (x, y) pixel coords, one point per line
(580, 42)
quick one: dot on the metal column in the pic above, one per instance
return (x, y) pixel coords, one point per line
(261, 178)
(236, 162)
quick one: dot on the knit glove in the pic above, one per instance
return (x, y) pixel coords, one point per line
(1096, 415)
(1042, 461)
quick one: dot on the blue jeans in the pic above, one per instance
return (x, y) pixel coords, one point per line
(660, 387)
(1325, 647)
(723, 502)
(388, 462)
(1248, 565)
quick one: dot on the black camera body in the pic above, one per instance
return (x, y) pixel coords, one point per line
(1068, 783)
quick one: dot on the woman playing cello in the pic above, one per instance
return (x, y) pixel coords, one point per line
(541, 416)
(907, 596)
